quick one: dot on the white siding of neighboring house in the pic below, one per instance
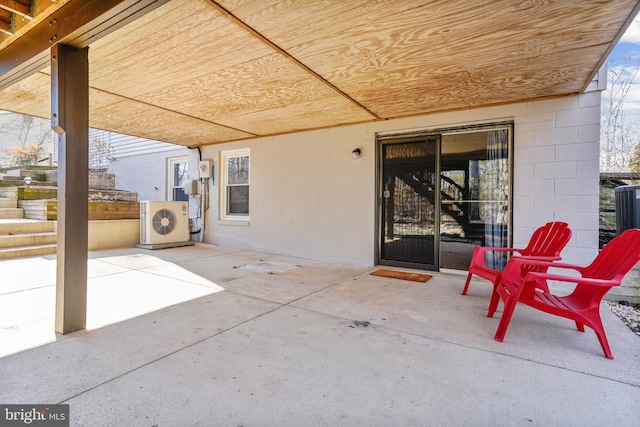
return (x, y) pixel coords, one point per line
(141, 164)
(309, 198)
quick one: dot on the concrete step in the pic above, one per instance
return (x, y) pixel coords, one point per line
(11, 181)
(26, 237)
(35, 175)
(10, 213)
(9, 193)
(6, 253)
(25, 226)
(8, 203)
(22, 240)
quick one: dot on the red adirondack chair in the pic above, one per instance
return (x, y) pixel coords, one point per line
(583, 304)
(546, 243)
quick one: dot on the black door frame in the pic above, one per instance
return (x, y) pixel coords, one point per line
(404, 139)
(398, 137)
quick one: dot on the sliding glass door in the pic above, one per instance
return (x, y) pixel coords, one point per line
(409, 192)
(474, 188)
(443, 194)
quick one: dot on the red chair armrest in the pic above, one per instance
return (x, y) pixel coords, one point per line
(513, 270)
(534, 276)
(479, 251)
(496, 249)
(544, 262)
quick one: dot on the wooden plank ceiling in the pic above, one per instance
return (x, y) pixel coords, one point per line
(198, 72)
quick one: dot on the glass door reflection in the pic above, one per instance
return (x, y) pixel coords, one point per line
(474, 190)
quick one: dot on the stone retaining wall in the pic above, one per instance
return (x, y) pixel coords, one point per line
(48, 210)
(629, 290)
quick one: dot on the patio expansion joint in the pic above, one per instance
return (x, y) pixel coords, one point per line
(327, 287)
(35, 288)
(433, 338)
(550, 365)
(182, 261)
(142, 270)
(164, 356)
(278, 306)
(288, 303)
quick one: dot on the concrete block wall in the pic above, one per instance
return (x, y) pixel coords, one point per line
(311, 199)
(308, 198)
(629, 290)
(556, 171)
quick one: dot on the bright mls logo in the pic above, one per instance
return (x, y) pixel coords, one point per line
(34, 415)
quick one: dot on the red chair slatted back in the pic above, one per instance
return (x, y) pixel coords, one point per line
(616, 258)
(548, 240)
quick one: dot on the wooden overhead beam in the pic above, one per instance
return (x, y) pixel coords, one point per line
(17, 7)
(78, 23)
(5, 22)
(237, 21)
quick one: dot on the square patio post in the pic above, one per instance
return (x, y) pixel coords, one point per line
(70, 120)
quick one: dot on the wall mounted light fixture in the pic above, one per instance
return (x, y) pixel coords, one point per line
(356, 153)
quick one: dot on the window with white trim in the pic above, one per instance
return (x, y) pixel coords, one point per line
(177, 176)
(234, 188)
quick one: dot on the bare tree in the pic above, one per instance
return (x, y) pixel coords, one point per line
(31, 130)
(26, 134)
(101, 152)
(619, 133)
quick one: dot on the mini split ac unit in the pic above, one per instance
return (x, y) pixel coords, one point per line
(163, 222)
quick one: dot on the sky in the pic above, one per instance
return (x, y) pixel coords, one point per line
(618, 138)
(632, 35)
(627, 54)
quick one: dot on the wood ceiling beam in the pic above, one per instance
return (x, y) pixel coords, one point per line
(284, 53)
(5, 22)
(17, 7)
(77, 23)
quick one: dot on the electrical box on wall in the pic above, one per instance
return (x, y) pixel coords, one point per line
(204, 169)
(191, 187)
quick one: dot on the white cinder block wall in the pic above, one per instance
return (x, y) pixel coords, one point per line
(309, 198)
(557, 170)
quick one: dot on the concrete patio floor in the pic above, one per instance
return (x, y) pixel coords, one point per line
(213, 336)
